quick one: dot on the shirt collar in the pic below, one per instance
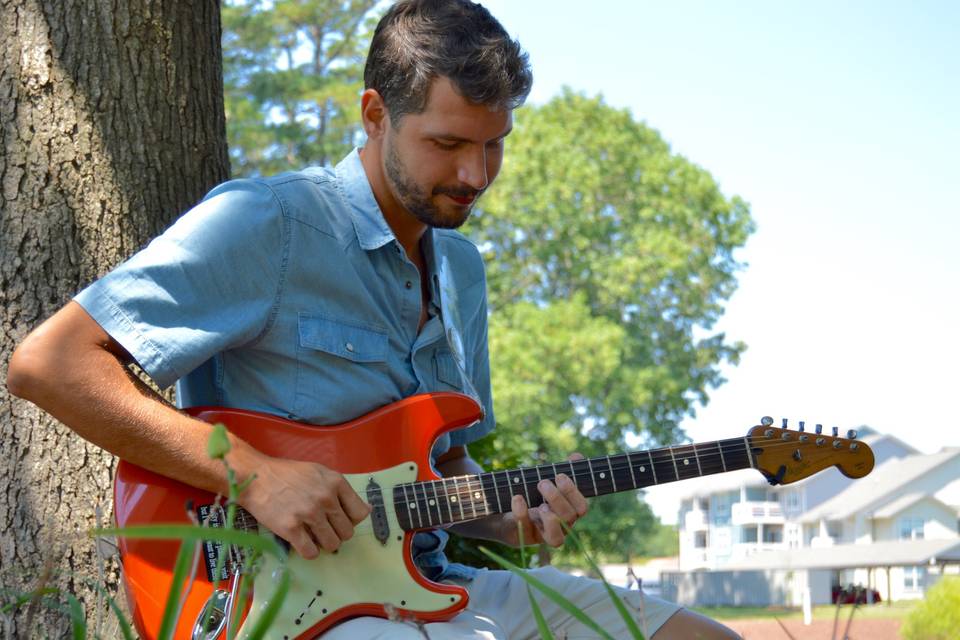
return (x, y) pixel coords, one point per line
(372, 230)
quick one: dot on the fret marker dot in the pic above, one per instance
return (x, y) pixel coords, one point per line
(516, 480)
(413, 505)
(477, 495)
(453, 499)
(686, 461)
(642, 468)
(603, 475)
(432, 502)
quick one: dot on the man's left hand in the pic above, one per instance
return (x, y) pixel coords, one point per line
(542, 524)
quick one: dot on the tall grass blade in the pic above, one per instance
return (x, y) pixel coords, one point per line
(77, 618)
(272, 608)
(551, 593)
(197, 533)
(542, 626)
(635, 632)
(171, 612)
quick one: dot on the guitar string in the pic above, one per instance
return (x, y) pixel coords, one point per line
(735, 445)
(710, 453)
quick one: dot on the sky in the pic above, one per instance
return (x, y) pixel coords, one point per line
(840, 124)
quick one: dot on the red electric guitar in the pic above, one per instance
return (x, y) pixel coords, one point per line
(385, 457)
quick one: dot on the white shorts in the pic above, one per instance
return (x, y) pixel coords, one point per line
(499, 609)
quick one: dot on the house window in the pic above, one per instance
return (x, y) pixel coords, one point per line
(756, 494)
(720, 508)
(773, 533)
(700, 539)
(913, 578)
(748, 534)
(703, 504)
(911, 528)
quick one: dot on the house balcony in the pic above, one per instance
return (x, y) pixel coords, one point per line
(746, 549)
(745, 513)
(695, 520)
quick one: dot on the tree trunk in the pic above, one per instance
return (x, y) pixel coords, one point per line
(111, 124)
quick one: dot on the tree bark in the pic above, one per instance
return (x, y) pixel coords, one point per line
(111, 124)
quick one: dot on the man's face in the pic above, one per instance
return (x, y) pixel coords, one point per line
(438, 162)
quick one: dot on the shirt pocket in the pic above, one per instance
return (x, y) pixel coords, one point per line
(446, 369)
(338, 338)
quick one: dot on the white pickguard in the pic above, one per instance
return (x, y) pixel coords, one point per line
(362, 571)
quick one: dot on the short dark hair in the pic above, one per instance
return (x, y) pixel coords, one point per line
(418, 41)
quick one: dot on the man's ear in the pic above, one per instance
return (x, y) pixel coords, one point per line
(374, 114)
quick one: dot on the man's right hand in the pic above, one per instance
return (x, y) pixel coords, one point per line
(305, 503)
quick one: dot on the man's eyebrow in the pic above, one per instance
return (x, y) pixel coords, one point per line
(453, 138)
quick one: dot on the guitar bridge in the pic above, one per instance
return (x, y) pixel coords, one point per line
(378, 516)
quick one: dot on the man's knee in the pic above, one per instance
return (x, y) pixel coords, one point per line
(686, 624)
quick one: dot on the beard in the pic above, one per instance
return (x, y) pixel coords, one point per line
(415, 199)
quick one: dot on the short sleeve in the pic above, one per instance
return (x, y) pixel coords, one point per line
(209, 283)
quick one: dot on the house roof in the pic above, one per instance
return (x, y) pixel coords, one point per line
(907, 500)
(888, 479)
(896, 553)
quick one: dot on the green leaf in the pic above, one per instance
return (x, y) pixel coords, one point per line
(77, 618)
(551, 593)
(617, 602)
(171, 612)
(218, 445)
(542, 625)
(198, 533)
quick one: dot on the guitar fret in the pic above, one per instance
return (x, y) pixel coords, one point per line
(437, 501)
(446, 498)
(474, 495)
(749, 453)
(676, 472)
(633, 476)
(697, 456)
(506, 486)
(410, 510)
(723, 462)
(653, 469)
(613, 478)
(456, 498)
(423, 509)
(573, 475)
(493, 481)
(592, 477)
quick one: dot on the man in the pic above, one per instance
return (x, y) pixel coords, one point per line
(320, 296)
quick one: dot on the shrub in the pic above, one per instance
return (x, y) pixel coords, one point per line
(938, 617)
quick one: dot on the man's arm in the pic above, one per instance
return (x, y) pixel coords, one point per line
(563, 501)
(70, 367)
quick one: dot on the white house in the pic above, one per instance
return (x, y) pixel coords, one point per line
(895, 530)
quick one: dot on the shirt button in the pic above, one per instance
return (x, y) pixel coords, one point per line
(409, 285)
(349, 347)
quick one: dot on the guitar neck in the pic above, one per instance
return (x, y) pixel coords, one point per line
(422, 505)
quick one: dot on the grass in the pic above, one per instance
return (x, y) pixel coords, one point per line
(897, 610)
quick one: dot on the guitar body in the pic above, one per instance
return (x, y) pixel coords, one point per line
(365, 576)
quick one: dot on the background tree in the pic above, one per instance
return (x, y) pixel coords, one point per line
(609, 259)
(293, 73)
(112, 124)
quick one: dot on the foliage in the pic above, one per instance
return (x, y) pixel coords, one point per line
(938, 617)
(293, 74)
(609, 259)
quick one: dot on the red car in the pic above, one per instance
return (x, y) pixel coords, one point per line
(852, 594)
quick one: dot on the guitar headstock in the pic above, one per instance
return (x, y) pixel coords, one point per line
(785, 456)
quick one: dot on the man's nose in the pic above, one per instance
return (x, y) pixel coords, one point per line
(473, 169)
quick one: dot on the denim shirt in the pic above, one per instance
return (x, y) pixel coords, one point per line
(291, 296)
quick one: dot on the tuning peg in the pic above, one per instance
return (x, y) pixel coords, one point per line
(836, 432)
(819, 429)
(801, 425)
(784, 425)
(852, 434)
(766, 421)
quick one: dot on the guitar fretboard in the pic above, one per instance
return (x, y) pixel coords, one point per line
(422, 505)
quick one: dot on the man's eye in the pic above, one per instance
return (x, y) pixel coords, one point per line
(446, 146)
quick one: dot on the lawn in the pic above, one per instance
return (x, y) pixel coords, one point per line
(826, 612)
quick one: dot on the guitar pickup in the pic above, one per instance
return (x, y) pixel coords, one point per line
(378, 515)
